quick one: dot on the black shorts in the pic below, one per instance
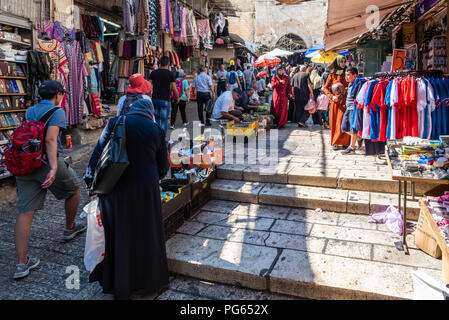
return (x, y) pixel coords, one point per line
(346, 122)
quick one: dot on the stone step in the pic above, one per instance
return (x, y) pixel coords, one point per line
(316, 173)
(297, 252)
(298, 196)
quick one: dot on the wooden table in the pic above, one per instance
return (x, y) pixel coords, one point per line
(404, 180)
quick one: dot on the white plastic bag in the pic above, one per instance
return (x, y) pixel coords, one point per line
(427, 288)
(94, 249)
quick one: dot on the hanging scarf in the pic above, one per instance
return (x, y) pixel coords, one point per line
(335, 66)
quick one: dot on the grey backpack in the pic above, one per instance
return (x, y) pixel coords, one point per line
(130, 99)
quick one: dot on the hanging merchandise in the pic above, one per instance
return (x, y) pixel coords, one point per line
(398, 106)
(76, 82)
(152, 31)
(204, 32)
(39, 69)
(143, 17)
(129, 18)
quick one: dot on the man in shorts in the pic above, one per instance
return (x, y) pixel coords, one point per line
(54, 175)
(351, 74)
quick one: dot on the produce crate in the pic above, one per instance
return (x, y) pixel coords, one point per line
(180, 201)
(201, 192)
(241, 129)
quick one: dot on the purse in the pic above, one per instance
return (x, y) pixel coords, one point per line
(113, 160)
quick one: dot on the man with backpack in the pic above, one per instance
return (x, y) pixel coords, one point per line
(138, 89)
(233, 79)
(54, 174)
(183, 87)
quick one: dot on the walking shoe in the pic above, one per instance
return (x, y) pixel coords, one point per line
(323, 127)
(172, 127)
(348, 150)
(185, 124)
(301, 125)
(77, 229)
(335, 148)
(359, 144)
(22, 270)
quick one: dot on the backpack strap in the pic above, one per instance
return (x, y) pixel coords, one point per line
(47, 115)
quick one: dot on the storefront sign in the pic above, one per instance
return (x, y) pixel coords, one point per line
(408, 30)
(399, 57)
(424, 6)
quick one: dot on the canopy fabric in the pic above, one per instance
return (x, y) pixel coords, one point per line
(279, 53)
(347, 19)
(310, 53)
(266, 61)
(324, 57)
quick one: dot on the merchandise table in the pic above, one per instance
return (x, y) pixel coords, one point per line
(402, 190)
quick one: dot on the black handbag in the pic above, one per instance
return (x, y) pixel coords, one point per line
(209, 106)
(113, 161)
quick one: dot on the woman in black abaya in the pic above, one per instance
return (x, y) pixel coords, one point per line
(135, 256)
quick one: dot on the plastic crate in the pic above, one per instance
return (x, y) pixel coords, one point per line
(241, 129)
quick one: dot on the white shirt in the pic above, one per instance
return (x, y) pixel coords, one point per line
(394, 99)
(421, 98)
(430, 108)
(261, 85)
(224, 103)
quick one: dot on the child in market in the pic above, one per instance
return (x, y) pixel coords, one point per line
(351, 75)
(322, 107)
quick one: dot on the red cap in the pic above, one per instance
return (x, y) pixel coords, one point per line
(138, 84)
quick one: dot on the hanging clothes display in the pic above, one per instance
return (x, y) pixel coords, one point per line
(56, 51)
(76, 82)
(205, 33)
(397, 107)
(143, 17)
(129, 18)
(153, 26)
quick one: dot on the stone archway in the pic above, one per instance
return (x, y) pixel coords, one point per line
(291, 42)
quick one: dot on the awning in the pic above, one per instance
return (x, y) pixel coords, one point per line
(347, 19)
(279, 53)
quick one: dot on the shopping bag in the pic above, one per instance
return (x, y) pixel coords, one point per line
(94, 249)
(310, 105)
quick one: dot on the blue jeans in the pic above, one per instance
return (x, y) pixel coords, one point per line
(161, 112)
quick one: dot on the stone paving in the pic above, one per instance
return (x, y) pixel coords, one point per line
(299, 252)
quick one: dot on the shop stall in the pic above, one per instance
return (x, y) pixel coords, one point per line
(16, 37)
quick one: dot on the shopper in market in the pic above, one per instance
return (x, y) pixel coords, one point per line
(281, 85)
(135, 255)
(163, 80)
(183, 88)
(221, 78)
(54, 175)
(205, 88)
(225, 108)
(233, 79)
(337, 108)
(351, 76)
(262, 83)
(244, 101)
(248, 75)
(138, 89)
(303, 91)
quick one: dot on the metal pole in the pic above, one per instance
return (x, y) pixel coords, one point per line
(399, 195)
(404, 226)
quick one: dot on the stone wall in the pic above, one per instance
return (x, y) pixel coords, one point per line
(265, 22)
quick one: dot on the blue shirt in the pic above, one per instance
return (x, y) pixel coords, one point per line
(202, 82)
(58, 119)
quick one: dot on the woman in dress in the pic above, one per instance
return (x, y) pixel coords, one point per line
(338, 103)
(280, 85)
(135, 255)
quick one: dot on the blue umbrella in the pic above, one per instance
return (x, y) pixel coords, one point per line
(312, 51)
